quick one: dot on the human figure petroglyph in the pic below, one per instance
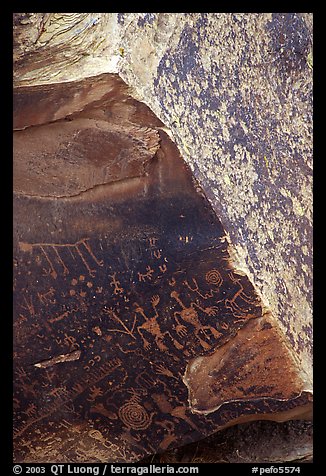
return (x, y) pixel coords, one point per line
(152, 326)
(213, 278)
(146, 276)
(116, 283)
(190, 315)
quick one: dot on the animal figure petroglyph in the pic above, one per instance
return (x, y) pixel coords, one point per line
(239, 300)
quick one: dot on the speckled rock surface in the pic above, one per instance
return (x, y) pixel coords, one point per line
(236, 92)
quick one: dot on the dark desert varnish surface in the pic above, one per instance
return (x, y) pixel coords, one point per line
(133, 333)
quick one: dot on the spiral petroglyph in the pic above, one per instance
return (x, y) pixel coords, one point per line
(133, 332)
(134, 416)
(214, 277)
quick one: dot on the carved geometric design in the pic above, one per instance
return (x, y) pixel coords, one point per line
(133, 333)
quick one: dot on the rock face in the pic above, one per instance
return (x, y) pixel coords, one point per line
(133, 331)
(110, 223)
(255, 442)
(236, 92)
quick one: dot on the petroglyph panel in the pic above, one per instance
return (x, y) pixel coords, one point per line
(124, 299)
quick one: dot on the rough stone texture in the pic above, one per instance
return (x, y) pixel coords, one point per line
(236, 92)
(112, 148)
(256, 442)
(248, 90)
(119, 259)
